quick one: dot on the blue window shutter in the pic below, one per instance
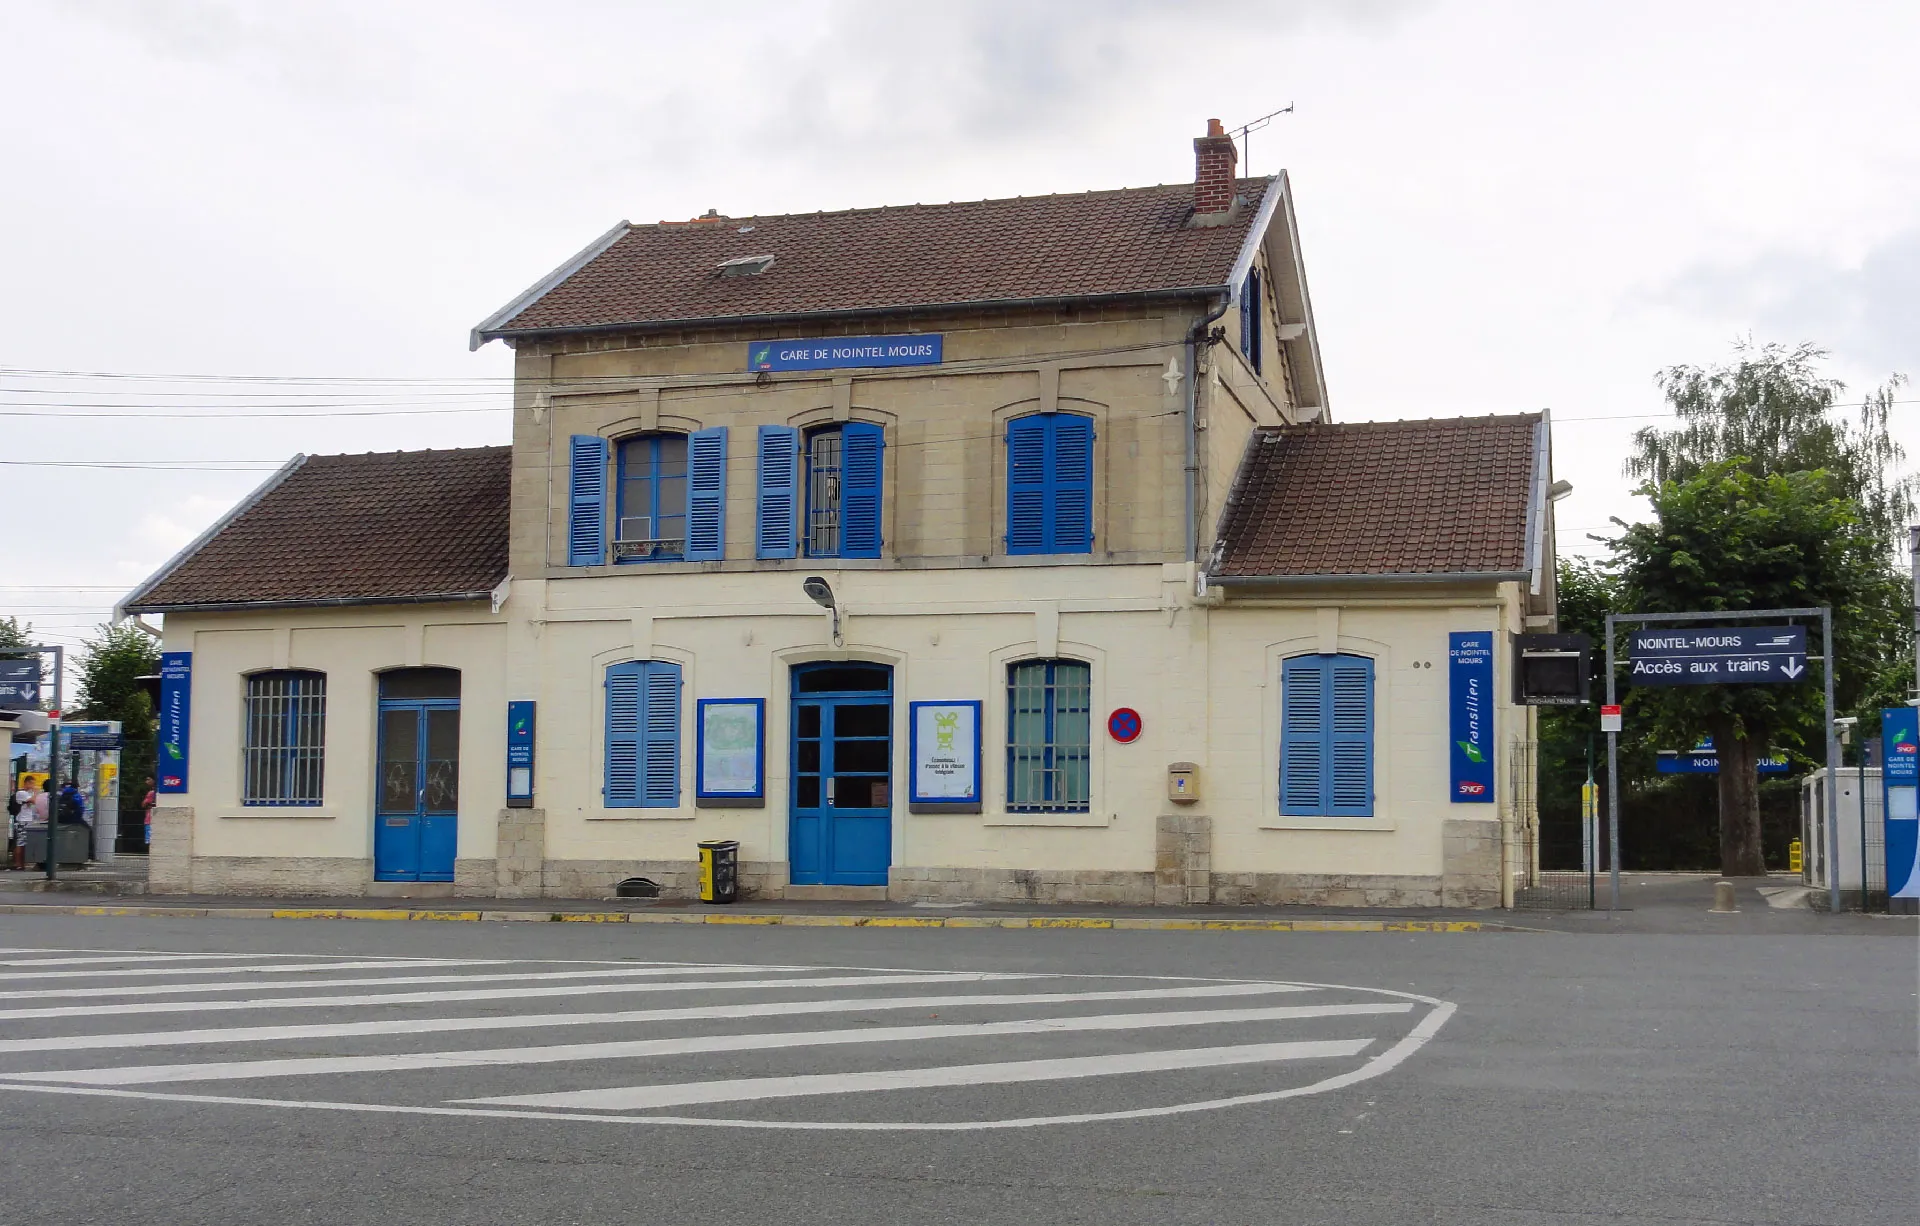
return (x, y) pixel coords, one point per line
(1027, 482)
(1246, 318)
(660, 780)
(1071, 495)
(624, 683)
(861, 447)
(707, 495)
(778, 529)
(587, 501)
(1350, 736)
(1303, 737)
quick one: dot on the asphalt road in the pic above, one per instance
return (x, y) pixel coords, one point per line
(472, 1074)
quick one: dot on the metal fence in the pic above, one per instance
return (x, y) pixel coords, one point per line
(1549, 869)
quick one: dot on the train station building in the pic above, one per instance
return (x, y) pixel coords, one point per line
(1006, 549)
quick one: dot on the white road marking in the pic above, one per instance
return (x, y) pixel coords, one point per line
(739, 1009)
(159, 957)
(508, 993)
(281, 969)
(755, 1089)
(244, 1070)
(171, 989)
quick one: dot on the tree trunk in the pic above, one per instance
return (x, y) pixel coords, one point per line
(1740, 853)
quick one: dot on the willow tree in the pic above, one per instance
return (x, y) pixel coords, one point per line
(1766, 496)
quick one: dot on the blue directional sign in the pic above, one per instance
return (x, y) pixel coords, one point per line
(20, 683)
(1704, 759)
(1722, 655)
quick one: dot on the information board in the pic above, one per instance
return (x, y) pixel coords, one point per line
(732, 755)
(944, 742)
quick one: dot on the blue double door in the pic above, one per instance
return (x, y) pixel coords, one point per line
(841, 827)
(416, 811)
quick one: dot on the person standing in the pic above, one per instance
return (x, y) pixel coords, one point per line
(147, 804)
(42, 804)
(19, 810)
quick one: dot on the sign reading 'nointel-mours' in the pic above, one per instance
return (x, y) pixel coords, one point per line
(1722, 655)
(840, 351)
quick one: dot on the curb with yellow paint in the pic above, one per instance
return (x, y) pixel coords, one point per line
(772, 919)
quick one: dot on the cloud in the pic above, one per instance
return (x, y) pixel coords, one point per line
(166, 532)
(1863, 310)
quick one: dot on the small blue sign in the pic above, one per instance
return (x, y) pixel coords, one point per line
(1900, 753)
(93, 735)
(519, 753)
(20, 684)
(1720, 655)
(175, 719)
(1703, 759)
(833, 352)
(1470, 723)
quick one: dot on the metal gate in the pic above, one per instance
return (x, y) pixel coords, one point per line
(1548, 870)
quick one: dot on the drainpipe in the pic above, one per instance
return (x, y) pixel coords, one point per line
(1192, 409)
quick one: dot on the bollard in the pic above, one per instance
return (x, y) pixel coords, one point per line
(1723, 897)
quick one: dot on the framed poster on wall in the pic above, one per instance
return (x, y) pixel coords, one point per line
(731, 760)
(944, 741)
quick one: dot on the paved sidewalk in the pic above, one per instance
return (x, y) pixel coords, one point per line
(1655, 903)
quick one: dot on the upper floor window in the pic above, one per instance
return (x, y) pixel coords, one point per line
(284, 751)
(819, 493)
(665, 495)
(652, 522)
(1326, 736)
(843, 491)
(1049, 736)
(1252, 313)
(1050, 484)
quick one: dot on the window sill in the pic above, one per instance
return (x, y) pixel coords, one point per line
(642, 815)
(1364, 824)
(1003, 818)
(308, 811)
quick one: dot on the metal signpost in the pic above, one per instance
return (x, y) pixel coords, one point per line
(1718, 656)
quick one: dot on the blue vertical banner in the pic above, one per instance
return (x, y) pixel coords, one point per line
(1900, 774)
(175, 720)
(1470, 717)
(520, 753)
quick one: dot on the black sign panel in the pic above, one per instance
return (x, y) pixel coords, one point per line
(1721, 655)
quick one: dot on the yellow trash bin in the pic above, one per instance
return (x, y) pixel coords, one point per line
(719, 870)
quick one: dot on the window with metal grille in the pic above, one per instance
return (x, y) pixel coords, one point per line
(1049, 736)
(286, 738)
(652, 524)
(843, 491)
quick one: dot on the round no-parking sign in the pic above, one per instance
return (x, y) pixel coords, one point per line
(1124, 725)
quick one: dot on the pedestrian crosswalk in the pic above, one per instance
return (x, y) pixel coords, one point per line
(704, 1043)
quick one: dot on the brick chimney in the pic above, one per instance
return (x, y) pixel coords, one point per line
(1214, 158)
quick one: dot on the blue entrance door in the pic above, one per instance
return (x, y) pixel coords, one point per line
(841, 829)
(416, 811)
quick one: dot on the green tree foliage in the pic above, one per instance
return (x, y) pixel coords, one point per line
(110, 668)
(1728, 538)
(1773, 411)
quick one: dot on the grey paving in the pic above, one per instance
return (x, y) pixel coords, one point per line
(1613, 1076)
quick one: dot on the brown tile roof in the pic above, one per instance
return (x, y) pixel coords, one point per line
(1443, 496)
(391, 526)
(1093, 244)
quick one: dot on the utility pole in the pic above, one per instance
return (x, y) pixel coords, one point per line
(1913, 548)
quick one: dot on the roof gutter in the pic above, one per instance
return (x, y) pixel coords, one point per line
(315, 602)
(484, 333)
(1406, 577)
(131, 599)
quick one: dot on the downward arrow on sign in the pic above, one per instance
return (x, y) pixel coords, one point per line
(1792, 669)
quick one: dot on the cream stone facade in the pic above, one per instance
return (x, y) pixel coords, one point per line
(945, 607)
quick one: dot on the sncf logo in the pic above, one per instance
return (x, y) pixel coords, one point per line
(1472, 789)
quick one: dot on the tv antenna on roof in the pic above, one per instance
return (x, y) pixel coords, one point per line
(1245, 131)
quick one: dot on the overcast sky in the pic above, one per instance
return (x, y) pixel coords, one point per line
(1503, 206)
